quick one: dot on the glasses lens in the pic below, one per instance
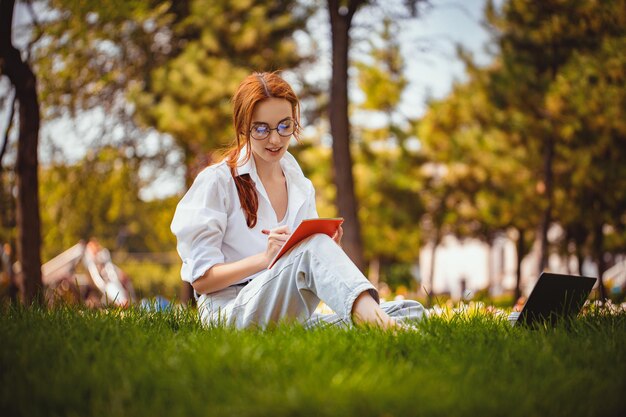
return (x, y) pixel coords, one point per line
(286, 127)
(260, 131)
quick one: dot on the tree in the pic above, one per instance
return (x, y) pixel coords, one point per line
(388, 185)
(588, 103)
(389, 177)
(27, 208)
(481, 183)
(548, 93)
(341, 14)
(340, 21)
(536, 40)
(89, 59)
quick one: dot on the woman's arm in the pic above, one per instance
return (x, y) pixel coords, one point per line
(220, 276)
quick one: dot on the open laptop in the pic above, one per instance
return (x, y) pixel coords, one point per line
(555, 297)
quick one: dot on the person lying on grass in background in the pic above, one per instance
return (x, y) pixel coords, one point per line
(239, 212)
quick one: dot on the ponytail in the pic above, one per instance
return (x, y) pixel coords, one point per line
(246, 189)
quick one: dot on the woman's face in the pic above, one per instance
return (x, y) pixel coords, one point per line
(272, 115)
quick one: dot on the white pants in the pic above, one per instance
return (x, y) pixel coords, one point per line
(317, 269)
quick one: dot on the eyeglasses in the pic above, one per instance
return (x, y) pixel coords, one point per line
(285, 128)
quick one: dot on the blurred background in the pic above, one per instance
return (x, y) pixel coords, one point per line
(481, 142)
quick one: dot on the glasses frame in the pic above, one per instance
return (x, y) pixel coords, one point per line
(269, 132)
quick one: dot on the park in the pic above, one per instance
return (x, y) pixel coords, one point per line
(464, 151)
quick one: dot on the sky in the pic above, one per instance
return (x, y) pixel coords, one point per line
(428, 45)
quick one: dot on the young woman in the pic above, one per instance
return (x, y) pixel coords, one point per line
(239, 212)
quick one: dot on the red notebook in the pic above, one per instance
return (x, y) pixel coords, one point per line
(307, 228)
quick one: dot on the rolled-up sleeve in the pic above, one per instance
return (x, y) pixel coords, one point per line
(199, 224)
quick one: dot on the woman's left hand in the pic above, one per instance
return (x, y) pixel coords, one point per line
(338, 235)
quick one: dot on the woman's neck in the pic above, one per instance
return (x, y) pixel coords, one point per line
(267, 170)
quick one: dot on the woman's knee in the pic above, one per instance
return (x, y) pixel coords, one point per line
(318, 240)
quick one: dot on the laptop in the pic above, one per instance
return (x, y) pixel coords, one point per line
(555, 297)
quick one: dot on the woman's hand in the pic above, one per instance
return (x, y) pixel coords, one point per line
(338, 235)
(276, 238)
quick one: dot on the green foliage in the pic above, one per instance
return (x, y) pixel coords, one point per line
(150, 278)
(540, 128)
(316, 164)
(88, 55)
(387, 174)
(476, 171)
(399, 274)
(559, 61)
(588, 102)
(189, 96)
(99, 197)
(384, 81)
(136, 363)
(388, 185)
(169, 65)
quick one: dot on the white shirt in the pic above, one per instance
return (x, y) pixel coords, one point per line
(210, 225)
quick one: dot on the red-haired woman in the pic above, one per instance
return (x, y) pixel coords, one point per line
(239, 212)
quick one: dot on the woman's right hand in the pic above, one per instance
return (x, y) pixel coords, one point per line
(276, 238)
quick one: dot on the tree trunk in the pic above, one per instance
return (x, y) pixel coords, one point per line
(546, 219)
(431, 274)
(598, 250)
(490, 265)
(340, 21)
(520, 249)
(27, 208)
(374, 271)
(581, 259)
(186, 294)
(548, 171)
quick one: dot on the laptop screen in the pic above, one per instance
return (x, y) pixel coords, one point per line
(555, 297)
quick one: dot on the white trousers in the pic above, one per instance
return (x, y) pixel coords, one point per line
(317, 269)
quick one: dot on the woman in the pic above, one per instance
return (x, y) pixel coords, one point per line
(239, 212)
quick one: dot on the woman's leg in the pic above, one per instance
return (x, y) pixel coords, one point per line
(316, 269)
(367, 311)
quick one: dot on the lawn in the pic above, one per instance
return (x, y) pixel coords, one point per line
(77, 362)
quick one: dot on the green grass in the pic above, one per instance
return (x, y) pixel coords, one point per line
(75, 362)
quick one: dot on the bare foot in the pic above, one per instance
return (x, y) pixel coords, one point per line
(366, 310)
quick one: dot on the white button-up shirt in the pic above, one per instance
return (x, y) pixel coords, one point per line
(210, 225)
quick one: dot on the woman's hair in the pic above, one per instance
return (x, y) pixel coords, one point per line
(252, 90)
